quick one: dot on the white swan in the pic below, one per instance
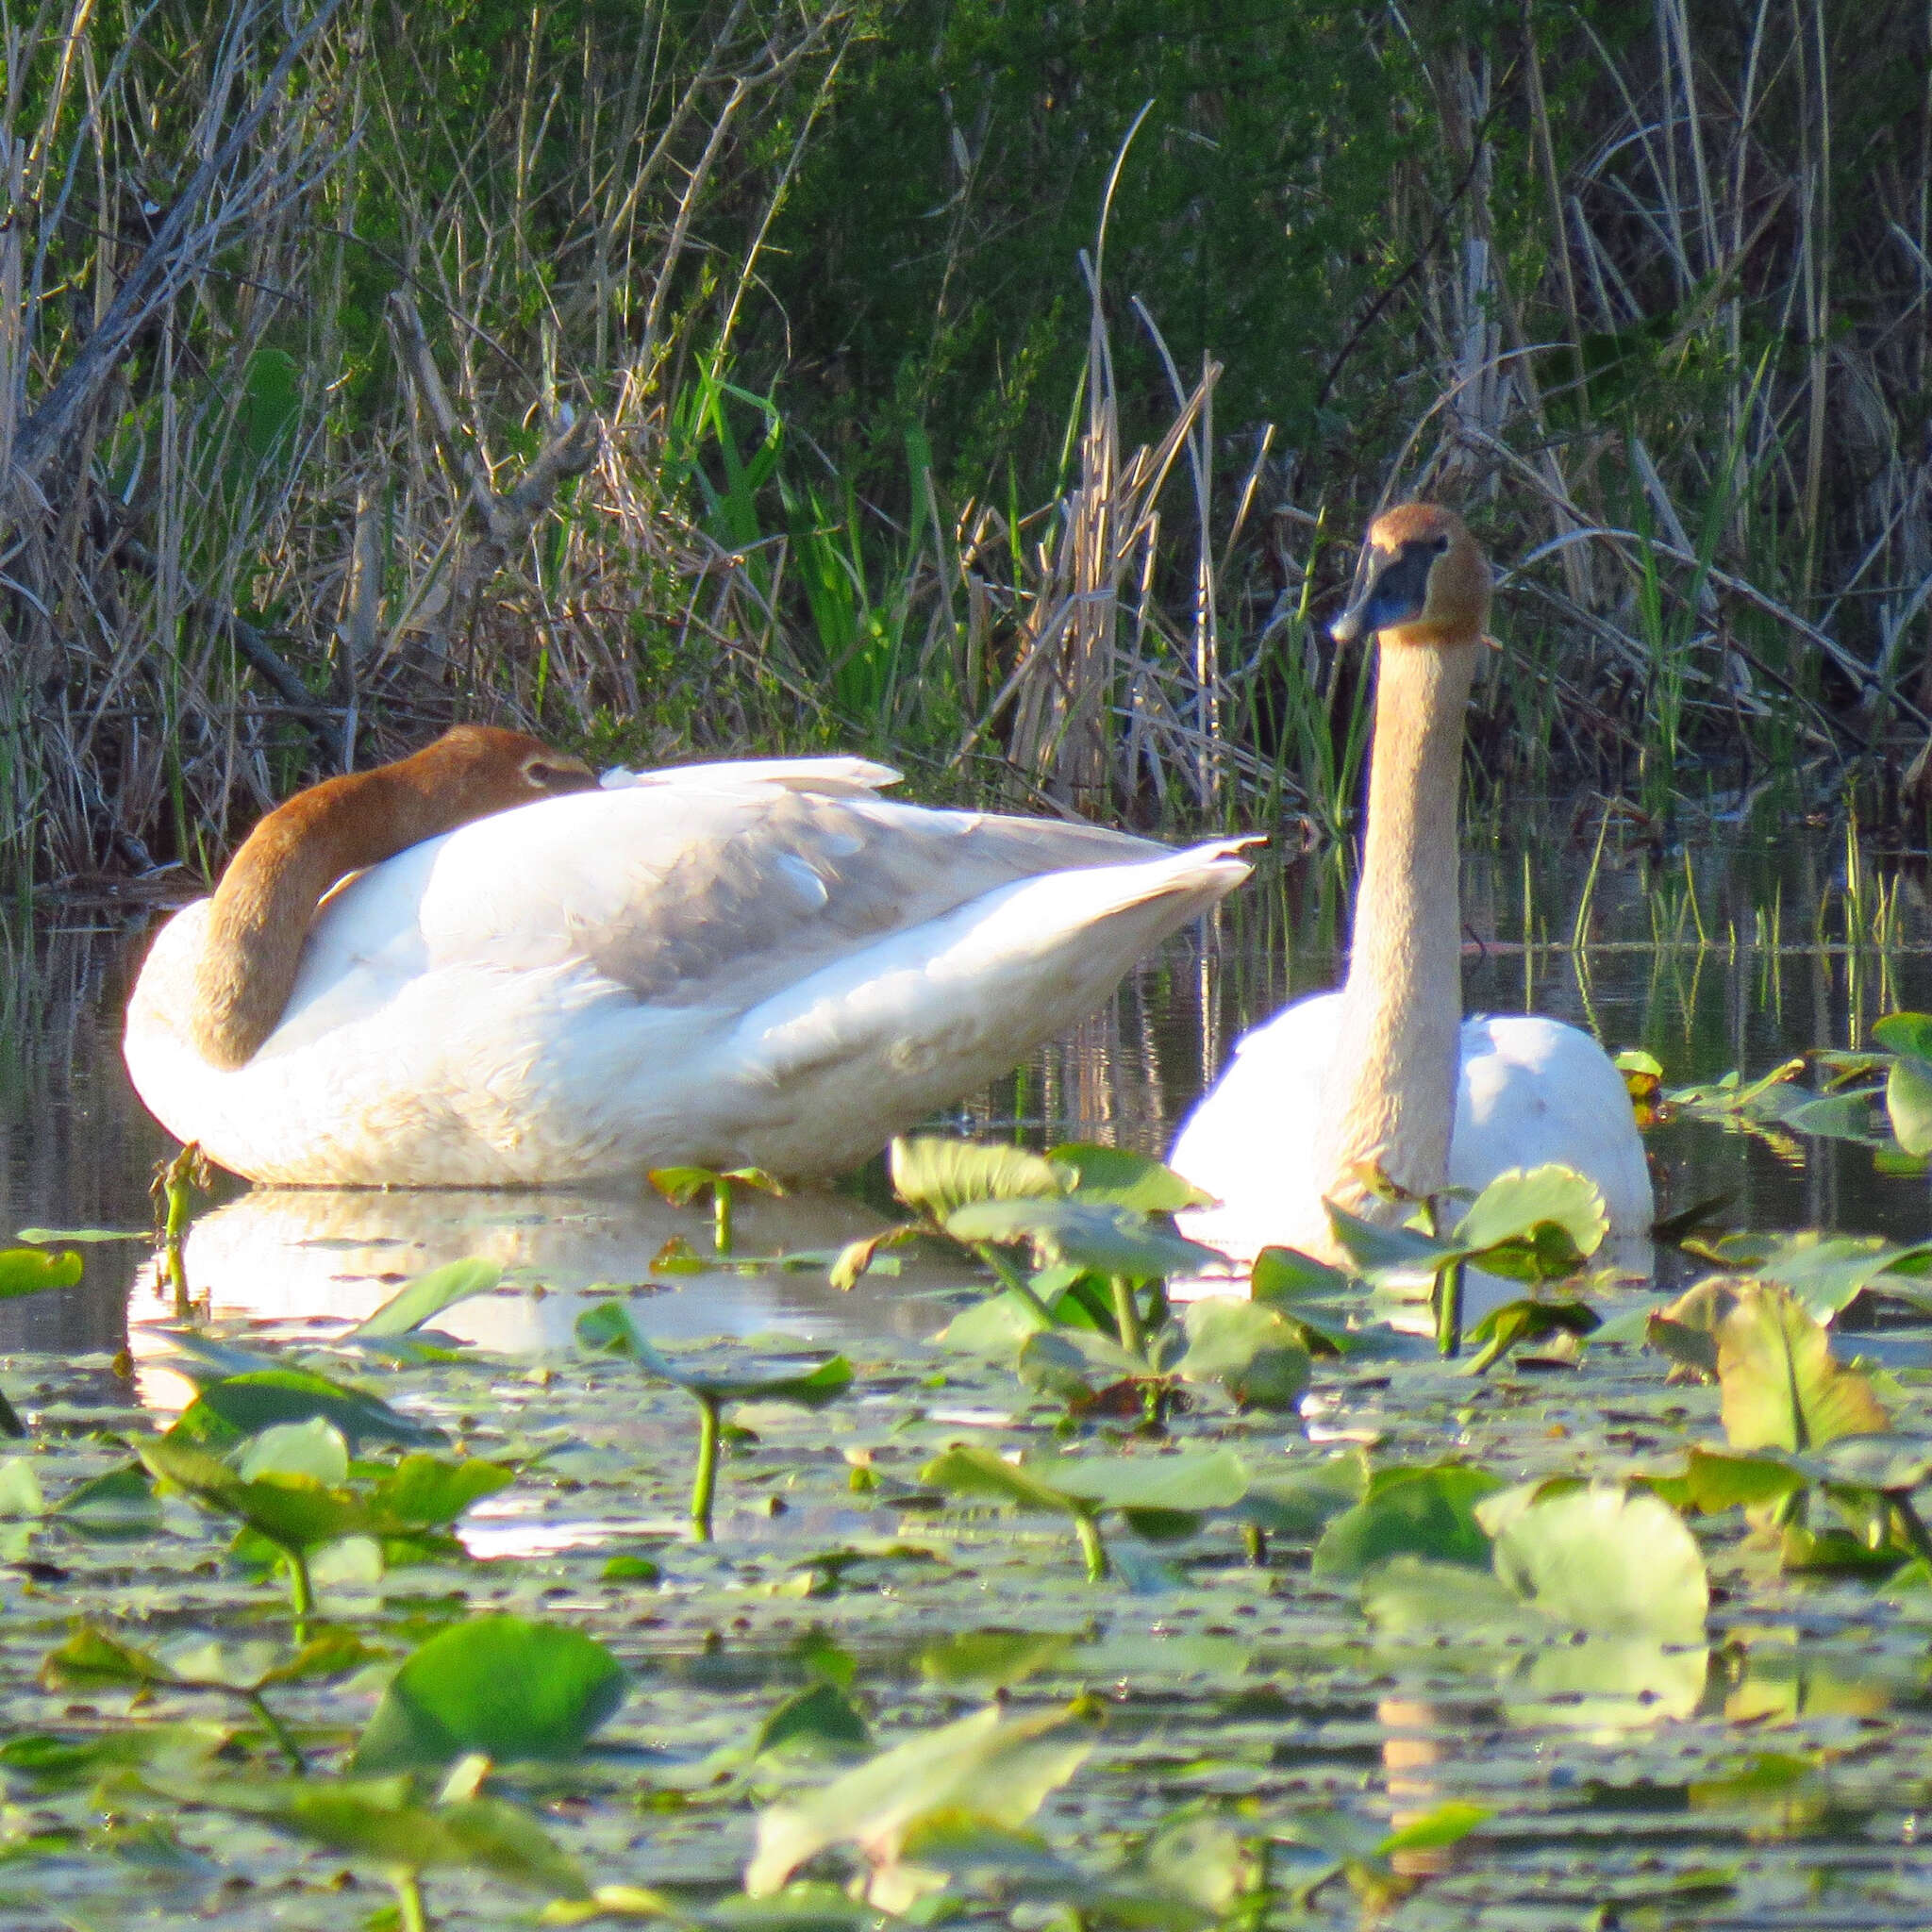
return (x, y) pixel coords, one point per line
(729, 964)
(1370, 1075)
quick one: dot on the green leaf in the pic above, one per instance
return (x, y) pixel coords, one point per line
(1188, 1480)
(1110, 1241)
(681, 1186)
(120, 1504)
(1714, 1480)
(1376, 1253)
(817, 1723)
(426, 1296)
(998, 1327)
(989, 1768)
(1253, 1353)
(1502, 1328)
(21, 1496)
(1418, 1512)
(378, 1819)
(1125, 1178)
(609, 1325)
(1602, 1560)
(1411, 1596)
(1074, 1364)
(425, 1491)
(499, 1685)
(81, 1236)
(935, 1176)
(855, 1257)
(992, 1657)
(26, 1271)
(1517, 1205)
(1301, 1503)
(1907, 1033)
(966, 1470)
(1447, 1825)
(1284, 1275)
(1782, 1388)
(240, 1406)
(1909, 1101)
(314, 1449)
(91, 1659)
(292, 1511)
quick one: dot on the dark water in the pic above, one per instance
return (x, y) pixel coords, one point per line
(1725, 955)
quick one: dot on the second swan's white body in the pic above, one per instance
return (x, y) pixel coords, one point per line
(759, 964)
(1529, 1089)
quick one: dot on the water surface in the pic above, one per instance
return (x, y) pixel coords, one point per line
(1729, 954)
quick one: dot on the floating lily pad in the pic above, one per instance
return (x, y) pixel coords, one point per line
(503, 1686)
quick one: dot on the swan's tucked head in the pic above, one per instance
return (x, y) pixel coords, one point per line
(1423, 579)
(474, 770)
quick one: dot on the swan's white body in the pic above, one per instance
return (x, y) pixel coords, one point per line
(737, 964)
(1386, 1073)
(1529, 1089)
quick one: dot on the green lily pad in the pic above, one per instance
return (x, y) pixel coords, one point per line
(426, 1297)
(378, 1819)
(236, 1407)
(610, 1325)
(503, 1686)
(1109, 1240)
(1413, 1512)
(937, 1176)
(27, 1271)
(1126, 1179)
(1603, 1559)
(1254, 1354)
(990, 1768)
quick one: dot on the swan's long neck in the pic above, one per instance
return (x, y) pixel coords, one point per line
(1390, 1093)
(265, 903)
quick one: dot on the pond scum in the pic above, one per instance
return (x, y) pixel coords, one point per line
(1101, 1610)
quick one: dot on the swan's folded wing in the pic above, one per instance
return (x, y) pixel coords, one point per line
(716, 894)
(837, 778)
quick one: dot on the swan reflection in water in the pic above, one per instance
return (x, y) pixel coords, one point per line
(301, 1260)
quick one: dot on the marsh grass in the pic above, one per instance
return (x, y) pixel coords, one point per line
(1638, 300)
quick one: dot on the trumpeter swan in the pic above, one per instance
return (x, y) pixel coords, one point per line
(1387, 1072)
(733, 965)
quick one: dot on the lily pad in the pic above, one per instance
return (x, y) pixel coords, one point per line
(427, 1297)
(989, 1768)
(1111, 1240)
(938, 1177)
(1126, 1179)
(503, 1686)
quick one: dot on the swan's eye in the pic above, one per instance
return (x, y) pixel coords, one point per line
(544, 778)
(1439, 547)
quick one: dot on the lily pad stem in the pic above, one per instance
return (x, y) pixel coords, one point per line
(410, 1911)
(1009, 1277)
(1087, 1529)
(721, 1213)
(1126, 1315)
(704, 1487)
(1449, 1311)
(1913, 1525)
(280, 1733)
(176, 1181)
(301, 1592)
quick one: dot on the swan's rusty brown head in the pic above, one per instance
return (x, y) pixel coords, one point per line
(265, 903)
(1423, 579)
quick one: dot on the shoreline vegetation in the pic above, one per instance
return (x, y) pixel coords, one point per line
(997, 390)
